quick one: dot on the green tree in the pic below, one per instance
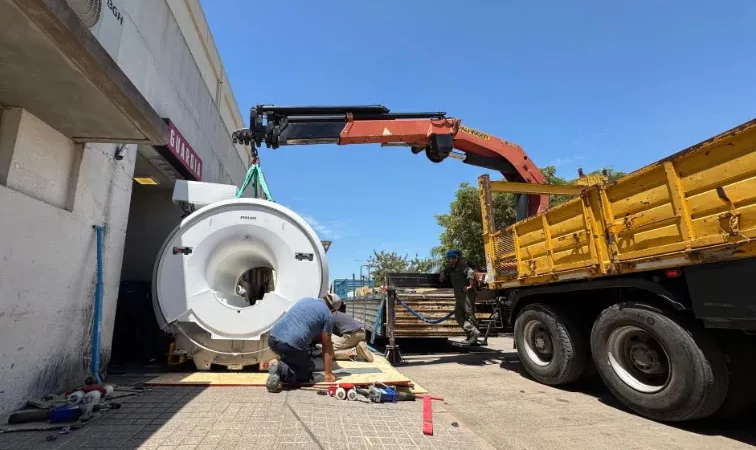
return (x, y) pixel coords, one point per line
(549, 172)
(611, 174)
(463, 225)
(551, 178)
(381, 263)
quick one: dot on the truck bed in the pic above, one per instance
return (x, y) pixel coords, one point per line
(696, 206)
(425, 295)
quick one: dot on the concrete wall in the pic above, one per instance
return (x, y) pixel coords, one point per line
(47, 254)
(171, 68)
(41, 161)
(191, 19)
(53, 191)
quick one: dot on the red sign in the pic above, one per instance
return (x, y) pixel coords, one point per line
(184, 152)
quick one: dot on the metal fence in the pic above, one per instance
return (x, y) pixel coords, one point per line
(342, 286)
(365, 310)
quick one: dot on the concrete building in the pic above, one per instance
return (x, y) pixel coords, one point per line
(104, 103)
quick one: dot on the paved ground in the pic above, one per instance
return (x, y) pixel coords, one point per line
(184, 418)
(491, 402)
(490, 396)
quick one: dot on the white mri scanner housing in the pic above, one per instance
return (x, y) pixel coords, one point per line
(229, 271)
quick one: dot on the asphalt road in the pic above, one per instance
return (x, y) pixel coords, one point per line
(490, 395)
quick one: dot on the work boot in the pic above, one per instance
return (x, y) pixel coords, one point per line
(364, 352)
(273, 383)
(473, 338)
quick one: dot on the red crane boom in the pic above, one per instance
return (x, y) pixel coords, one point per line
(434, 133)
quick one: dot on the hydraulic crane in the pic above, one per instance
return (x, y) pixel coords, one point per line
(431, 132)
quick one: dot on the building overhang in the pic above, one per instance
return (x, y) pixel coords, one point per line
(56, 69)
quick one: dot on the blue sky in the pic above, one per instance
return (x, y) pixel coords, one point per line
(607, 84)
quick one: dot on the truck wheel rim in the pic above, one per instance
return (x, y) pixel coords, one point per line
(638, 359)
(538, 343)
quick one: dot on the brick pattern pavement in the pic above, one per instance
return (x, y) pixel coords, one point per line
(195, 418)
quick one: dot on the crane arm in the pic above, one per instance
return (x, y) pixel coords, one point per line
(431, 132)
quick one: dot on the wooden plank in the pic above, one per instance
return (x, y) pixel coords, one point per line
(387, 374)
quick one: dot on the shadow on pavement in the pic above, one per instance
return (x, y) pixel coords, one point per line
(423, 353)
(738, 428)
(144, 420)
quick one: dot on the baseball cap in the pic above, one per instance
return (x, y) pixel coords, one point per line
(333, 301)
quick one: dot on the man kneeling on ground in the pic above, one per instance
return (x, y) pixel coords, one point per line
(349, 339)
(290, 338)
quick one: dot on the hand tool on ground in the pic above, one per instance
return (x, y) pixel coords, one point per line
(380, 393)
(65, 413)
(343, 391)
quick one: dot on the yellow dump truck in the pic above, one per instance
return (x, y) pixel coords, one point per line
(650, 279)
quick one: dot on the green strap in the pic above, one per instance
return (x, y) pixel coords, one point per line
(256, 177)
(263, 185)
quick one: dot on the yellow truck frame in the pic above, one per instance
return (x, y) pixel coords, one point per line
(666, 252)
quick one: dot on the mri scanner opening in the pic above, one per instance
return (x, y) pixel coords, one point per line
(255, 283)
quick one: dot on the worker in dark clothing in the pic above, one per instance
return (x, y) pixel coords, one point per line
(349, 339)
(290, 338)
(462, 280)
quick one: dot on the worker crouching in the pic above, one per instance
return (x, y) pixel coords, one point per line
(349, 339)
(462, 280)
(290, 338)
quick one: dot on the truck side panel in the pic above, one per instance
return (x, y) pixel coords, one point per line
(693, 207)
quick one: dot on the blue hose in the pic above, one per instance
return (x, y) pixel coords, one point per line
(429, 321)
(97, 309)
(378, 320)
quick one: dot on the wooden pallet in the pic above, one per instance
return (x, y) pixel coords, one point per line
(384, 373)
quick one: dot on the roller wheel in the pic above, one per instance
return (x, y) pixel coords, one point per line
(341, 393)
(351, 395)
(661, 367)
(552, 348)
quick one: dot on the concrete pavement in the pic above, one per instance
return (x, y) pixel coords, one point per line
(196, 418)
(490, 396)
(489, 404)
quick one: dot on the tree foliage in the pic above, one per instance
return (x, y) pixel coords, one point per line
(463, 225)
(381, 263)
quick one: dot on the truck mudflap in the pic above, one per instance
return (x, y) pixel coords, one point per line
(722, 293)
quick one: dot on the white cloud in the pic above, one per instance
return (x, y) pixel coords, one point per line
(328, 230)
(323, 229)
(566, 161)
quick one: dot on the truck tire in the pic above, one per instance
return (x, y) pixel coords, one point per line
(656, 366)
(552, 348)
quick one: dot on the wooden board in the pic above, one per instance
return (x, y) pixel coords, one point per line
(386, 373)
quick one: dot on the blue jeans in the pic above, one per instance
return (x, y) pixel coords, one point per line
(295, 365)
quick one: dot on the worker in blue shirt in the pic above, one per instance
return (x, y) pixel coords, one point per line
(290, 338)
(462, 280)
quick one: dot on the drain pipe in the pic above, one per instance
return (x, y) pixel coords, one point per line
(97, 309)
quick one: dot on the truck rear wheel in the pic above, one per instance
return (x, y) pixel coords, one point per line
(657, 367)
(552, 348)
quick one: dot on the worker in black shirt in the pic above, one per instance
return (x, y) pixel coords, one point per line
(349, 339)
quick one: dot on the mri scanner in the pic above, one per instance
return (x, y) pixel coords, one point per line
(229, 271)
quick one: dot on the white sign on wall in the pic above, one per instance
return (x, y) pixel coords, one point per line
(105, 19)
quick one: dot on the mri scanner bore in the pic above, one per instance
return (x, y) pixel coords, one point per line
(229, 271)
